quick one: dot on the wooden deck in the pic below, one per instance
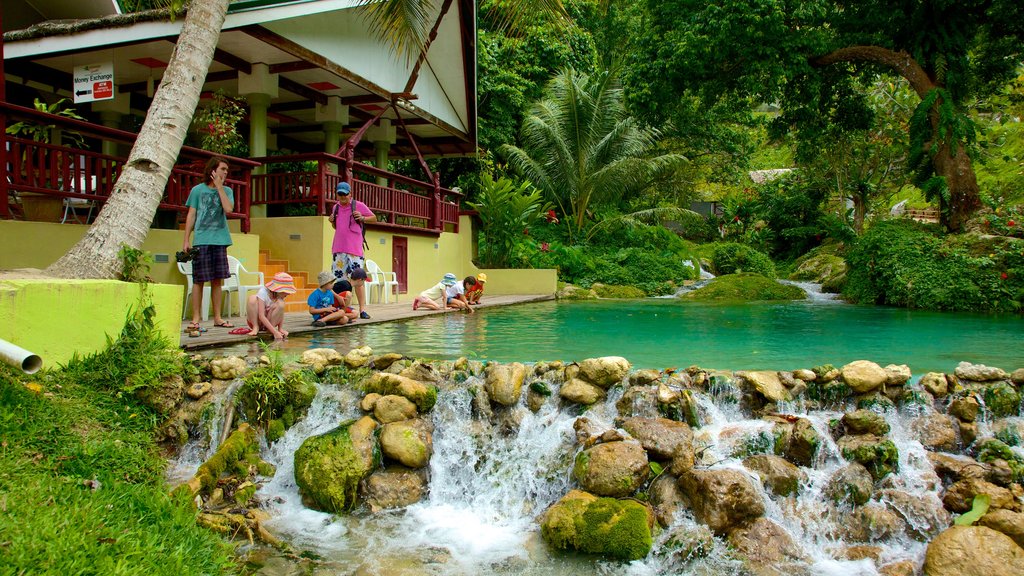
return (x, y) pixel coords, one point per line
(301, 322)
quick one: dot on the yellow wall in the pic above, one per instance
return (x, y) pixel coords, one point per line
(39, 244)
(304, 241)
(513, 281)
(55, 319)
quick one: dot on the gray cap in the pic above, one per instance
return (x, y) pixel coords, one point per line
(324, 278)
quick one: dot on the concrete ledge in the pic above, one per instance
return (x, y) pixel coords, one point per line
(57, 318)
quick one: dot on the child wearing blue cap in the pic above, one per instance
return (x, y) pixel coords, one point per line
(349, 217)
(433, 298)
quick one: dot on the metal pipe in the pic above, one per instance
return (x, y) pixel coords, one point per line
(16, 356)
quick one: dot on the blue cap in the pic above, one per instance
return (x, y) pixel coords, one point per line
(343, 188)
(449, 279)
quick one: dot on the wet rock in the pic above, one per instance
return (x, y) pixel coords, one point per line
(863, 376)
(872, 522)
(612, 469)
(924, 513)
(777, 474)
(1017, 377)
(667, 394)
(851, 483)
(422, 372)
(504, 382)
(318, 359)
(687, 543)
(605, 371)
(666, 498)
(198, 390)
(424, 396)
(535, 399)
(481, 404)
(638, 401)
(394, 487)
(645, 377)
(384, 361)
(330, 466)
(788, 380)
(960, 496)
(228, 367)
(586, 431)
(897, 374)
(722, 498)
(408, 442)
(805, 375)
(965, 409)
(973, 551)
(796, 441)
(935, 384)
(392, 408)
(952, 467)
(1006, 521)
(865, 422)
(662, 438)
(879, 455)
(619, 529)
(1002, 399)
(968, 432)
(935, 432)
(900, 568)
(979, 372)
(765, 547)
(862, 552)
(581, 392)
(765, 383)
(359, 357)
(369, 401)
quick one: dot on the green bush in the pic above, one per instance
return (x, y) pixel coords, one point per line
(731, 257)
(905, 263)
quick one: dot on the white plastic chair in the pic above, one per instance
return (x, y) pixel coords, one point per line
(186, 269)
(380, 281)
(73, 205)
(234, 284)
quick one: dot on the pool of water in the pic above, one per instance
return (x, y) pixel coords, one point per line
(662, 333)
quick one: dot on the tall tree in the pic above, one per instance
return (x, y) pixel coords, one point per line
(806, 55)
(581, 147)
(128, 214)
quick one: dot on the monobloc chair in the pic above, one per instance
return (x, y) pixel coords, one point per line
(380, 281)
(234, 284)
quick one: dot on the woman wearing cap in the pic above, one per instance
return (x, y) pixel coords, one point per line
(265, 309)
(433, 298)
(348, 218)
(474, 294)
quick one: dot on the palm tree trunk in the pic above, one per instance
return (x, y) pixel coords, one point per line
(127, 215)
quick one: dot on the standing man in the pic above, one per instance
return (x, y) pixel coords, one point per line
(349, 218)
(208, 204)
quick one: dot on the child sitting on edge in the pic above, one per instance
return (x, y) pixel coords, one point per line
(456, 294)
(322, 305)
(265, 309)
(474, 294)
(433, 298)
(342, 299)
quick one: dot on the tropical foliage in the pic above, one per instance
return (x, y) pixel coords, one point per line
(506, 210)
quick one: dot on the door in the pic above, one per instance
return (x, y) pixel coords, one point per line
(400, 261)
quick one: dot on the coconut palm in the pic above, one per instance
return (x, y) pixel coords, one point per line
(581, 147)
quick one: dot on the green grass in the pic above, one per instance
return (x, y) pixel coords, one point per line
(82, 488)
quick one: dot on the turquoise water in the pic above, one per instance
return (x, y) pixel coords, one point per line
(662, 333)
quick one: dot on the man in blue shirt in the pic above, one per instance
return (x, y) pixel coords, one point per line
(208, 204)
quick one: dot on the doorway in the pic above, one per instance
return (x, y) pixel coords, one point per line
(400, 261)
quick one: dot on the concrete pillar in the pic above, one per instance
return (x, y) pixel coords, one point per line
(259, 87)
(111, 112)
(334, 116)
(381, 147)
(383, 135)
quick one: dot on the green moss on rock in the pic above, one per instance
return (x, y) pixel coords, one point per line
(742, 288)
(619, 529)
(613, 291)
(1001, 400)
(329, 467)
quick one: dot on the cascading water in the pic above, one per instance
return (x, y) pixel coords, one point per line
(813, 291)
(204, 444)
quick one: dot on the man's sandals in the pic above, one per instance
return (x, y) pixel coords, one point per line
(194, 329)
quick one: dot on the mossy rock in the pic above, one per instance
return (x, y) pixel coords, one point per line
(828, 270)
(268, 394)
(233, 451)
(423, 395)
(619, 529)
(329, 467)
(613, 291)
(743, 288)
(880, 456)
(1002, 399)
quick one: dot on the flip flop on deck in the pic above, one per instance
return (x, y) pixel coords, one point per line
(240, 331)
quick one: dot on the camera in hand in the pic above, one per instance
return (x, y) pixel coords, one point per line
(186, 255)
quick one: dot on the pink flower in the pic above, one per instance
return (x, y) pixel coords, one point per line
(545, 247)
(1004, 276)
(1011, 223)
(551, 217)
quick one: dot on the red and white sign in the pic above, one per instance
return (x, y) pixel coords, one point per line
(94, 82)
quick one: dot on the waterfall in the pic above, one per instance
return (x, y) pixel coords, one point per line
(703, 278)
(203, 443)
(813, 291)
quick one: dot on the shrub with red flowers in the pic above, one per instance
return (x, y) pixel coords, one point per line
(217, 125)
(1004, 220)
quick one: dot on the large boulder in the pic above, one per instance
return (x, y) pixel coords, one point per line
(973, 551)
(935, 432)
(619, 529)
(504, 382)
(605, 371)
(766, 383)
(864, 376)
(580, 392)
(228, 367)
(979, 372)
(722, 498)
(393, 408)
(612, 469)
(424, 396)
(329, 467)
(879, 455)
(408, 442)
(394, 487)
(320, 358)
(777, 474)
(765, 547)
(663, 439)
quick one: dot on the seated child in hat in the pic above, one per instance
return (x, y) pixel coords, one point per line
(265, 309)
(322, 303)
(343, 299)
(474, 293)
(434, 298)
(455, 294)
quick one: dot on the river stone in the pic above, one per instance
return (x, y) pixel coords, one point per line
(805, 375)
(796, 441)
(384, 361)
(228, 367)
(198, 389)
(424, 396)
(534, 399)
(666, 498)
(765, 547)
(504, 382)
(767, 384)
(872, 522)
(954, 467)
(879, 455)
(863, 376)
(394, 487)
(851, 483)
(865, 422)
(862, 552)
(619, 529)
(408, 442)
(1017, 376)
(960, 496)
(318, 359)
(897, 374)
(369, 401)
(662, 438)
(978, 372)
(924, 513)
(965, 409)
(777, 474)
(645, 377)
(667, 394)
(604, 371)
(688, 542)
(392, 408)
(330, 466)
(722, 498)
(1006, 521)
(612, 469)
(638, 401)
(899, 568)
(935, 432)
(358, 357)
(973, 551)
(935, 384)
(580, 392)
